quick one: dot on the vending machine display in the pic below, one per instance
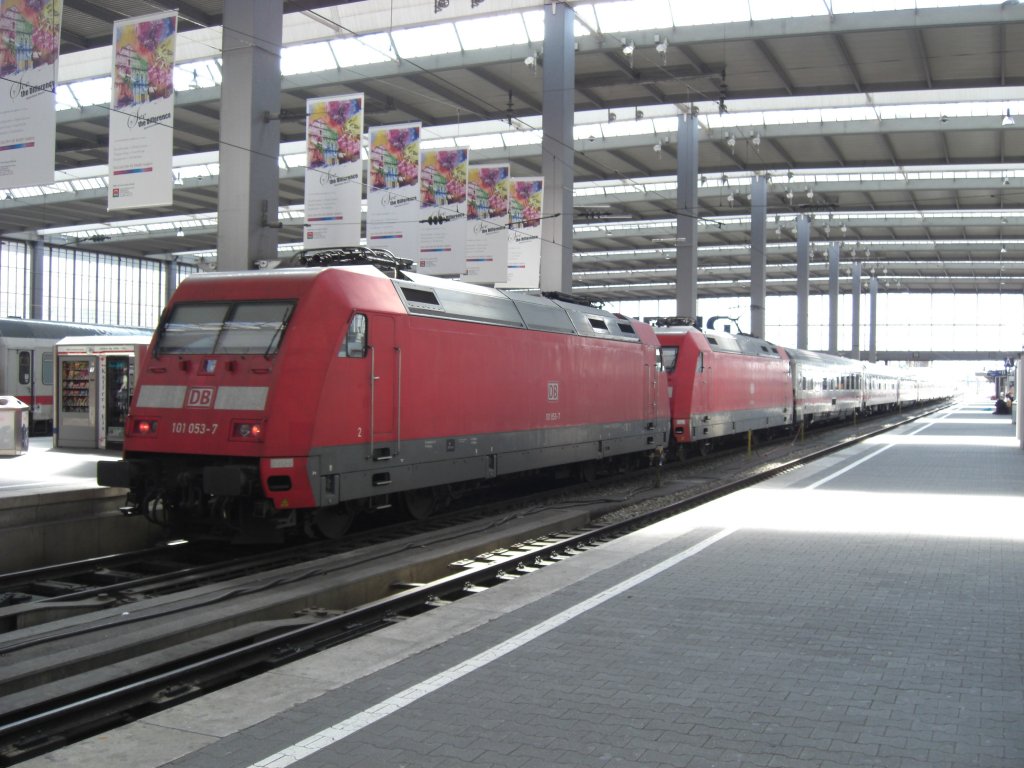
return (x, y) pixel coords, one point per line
(74, 396)
(119, 393)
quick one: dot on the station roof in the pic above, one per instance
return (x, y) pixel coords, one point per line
(888, 127)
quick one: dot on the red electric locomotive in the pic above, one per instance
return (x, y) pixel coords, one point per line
(294, 398)
(722, 385)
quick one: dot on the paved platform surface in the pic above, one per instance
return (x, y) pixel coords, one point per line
(45, 469)
(863, 611)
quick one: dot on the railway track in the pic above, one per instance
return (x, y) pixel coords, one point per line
(75, 676)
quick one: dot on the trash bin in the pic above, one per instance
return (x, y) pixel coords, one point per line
(13, 426)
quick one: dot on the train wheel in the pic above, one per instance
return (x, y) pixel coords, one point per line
(420, 503)
(586, 471)
(333, 522)
(705, 447)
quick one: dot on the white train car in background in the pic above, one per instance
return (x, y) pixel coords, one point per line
(27, 362)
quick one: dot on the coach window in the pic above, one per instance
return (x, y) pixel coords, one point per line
(47, 369)
(24, 367)
(355, 339)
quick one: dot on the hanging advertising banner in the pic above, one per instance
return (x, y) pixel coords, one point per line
(487, 235)
(443, 211)
(142, 112)
(29, 47)
(392, 200)
(334, 171)
(525, 202)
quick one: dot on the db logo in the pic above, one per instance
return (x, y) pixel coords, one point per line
(199, 397)
(552, 391)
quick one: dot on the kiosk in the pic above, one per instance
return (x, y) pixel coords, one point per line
(95, 378)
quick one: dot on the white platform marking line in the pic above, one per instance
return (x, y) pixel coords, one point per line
(870, 456)
(339, 731)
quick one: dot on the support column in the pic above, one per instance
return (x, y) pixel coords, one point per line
(833, 298)
(557, 151)
(803, 277)
(250, 133)
(35, 281)
(855, 320)
(170, 279)
(758, 283)
(873, 321)
(687, 214)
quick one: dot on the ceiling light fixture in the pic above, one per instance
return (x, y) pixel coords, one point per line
(627, 49)
(181, 232)
(1008, 119)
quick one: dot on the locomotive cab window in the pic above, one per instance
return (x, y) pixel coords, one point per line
(240, 328)
(355, 338)
(669, 355)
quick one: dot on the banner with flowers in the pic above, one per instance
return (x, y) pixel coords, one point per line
(487, 216)
(334, 171)
(392, 198)
(30, 46)
(443, 211)
(142, 112)
(525, 203)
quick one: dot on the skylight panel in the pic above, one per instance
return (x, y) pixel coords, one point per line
(533, 21)
(686, 13)
(492, 31)
(488, 141)
(313, 57)
(197, 74)
(426, 41)
(585, 17)
(633, 15)
(65, 98)
(365, 49)
(792, 9)
(88, 92)
(522, 138)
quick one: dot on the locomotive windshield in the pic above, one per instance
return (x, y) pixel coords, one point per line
(668, 358)
(224, 328)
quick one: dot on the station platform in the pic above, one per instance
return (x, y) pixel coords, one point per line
(52, 510)
(45, 469)
(861, 611)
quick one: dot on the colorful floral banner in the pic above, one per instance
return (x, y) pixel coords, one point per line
(392, 202)
(334, 171)
(29, 46)
(487, 234)
(142, 112)
(526, 201)
(443, 211)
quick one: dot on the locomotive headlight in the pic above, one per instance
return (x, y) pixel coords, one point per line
(247, 430)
